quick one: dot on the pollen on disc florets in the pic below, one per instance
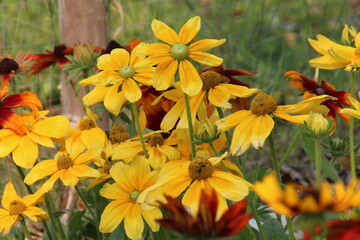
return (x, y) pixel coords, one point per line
(179, 51)
(210, 79)
(86, 123)
(156, 139)
(200, 168)
(8, 65)
(134, 195)
(16, 207)
(263, 104)
(118, 134)
(64, 161)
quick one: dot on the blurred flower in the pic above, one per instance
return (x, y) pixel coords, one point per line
(291, 201)
(174, 56)
(343, 230)
(317, 126)
(205, 223)
(352, 112)
(348, 35)
(10, 66)
(255, 125)
(130, 181)
(30, 131)
(15, 207)
(310, 88)
(69, 166)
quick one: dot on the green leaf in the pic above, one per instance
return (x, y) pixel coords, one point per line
(73, 74)
(309, 146)
(246, 233)
(76, 225)
(274, 230)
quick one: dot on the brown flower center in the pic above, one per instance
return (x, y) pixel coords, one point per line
(86, 123)
(319, 91)
(8, 66)
(16, 207)
(210, 79)
(200, 168)
(118, 134)
(156, 139)
(59, 50)
(64, 161)
(263, 104)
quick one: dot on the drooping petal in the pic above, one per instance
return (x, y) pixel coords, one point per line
(205, 44)
(173, 115)
(189, 30)
(150, 216)
(157, 48)
(26, 152)
(49, 184)
(241, 91)
(8, 141)
(44, 141)
(195, 102)
(164, 33)
(126, 150)
(232, 120)
(190, 80)
(262, 128)
(327, 62)
(219, 96)
(192, 195)
(164, 74)
(41, 170)
(114, 191)
(33, 212)
(131, 90)
(206, 58)
(133, 223)
(113, 215)
(7, 222)
(84, 171)
(298, 119)
(68, 178)
(95, 96)
(9, 195)
(145, 76)
(114, 100)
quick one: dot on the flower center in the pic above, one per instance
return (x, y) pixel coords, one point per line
(59, 50)
(29, 126)
(263, 104)
(210, 79)
(179, 51)
(8, 66)
(134, 195)
(118, 134)
(200, 168)
(319, 91)
(16, 207)
(156, 139)
(64, 161)
(127, 72)
(357, 52)
(86, 123)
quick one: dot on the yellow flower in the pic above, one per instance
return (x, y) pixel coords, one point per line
(175, 54)
(348, 34)
(195, 176)
(15, 206)
(318, 126)
(290, 201)
(130, 181)
(69, 166)
(335, 55)
(117, 82)
(255, 125)
(23, 141)
(352, 112)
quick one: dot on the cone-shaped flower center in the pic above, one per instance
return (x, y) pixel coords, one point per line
(127, 72)
(263, 104)
(86, 123)
(16, 207)
(179, 51)
(210, 79)
(118, 134)
(8, 66)
(134, 195)
(156, 139)
(64, 161)
(200, 169)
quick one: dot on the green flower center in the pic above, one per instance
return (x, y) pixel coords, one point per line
(179, 51)
(127, 72)
(64, 161)
(200, 168)
(134, 195)
(16, 207)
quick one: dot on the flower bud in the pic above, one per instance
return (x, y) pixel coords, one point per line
(83, 54)
(318, 126)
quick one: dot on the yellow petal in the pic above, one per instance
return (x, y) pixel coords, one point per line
(164, 74)
(354, 103)
(126, 150)
(357, 40)
(9, 195)
(205, 44)
(96, 144)
(189, 30)
(33, 213)
(150, 216)
(219, 96)
(164, 33)
(120, 57)
(114, 191)
(54, 127)
(191, 197)
(232, 120)
(298, 119)
(114, 100)
(351, 112)
(68, 178)
(49, 184)
(190, 80)
(173, 115)
(133, 223)
(131, 90)
(105, 62)
(206, 58)
(229, 186)
(145, 76)
(161, 58)
(113, 215)
(26, 152)
(157, 48)
(120, 173)
(41, 170)
(195, 102)
(262, 128)
(45, 141)
(95, 96)
(326, 62)
(8, 141)
(7, 222)
(240, 91)
(307, 106)
(242, 135)
(83, 171)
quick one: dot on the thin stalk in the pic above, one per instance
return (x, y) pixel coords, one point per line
(137, 122)
(191, 130)
(227, 134)
(59, 231)
(26, 230)
(291, 146)
(318, 162)
(257, 220)
(278, 176)
(351, 131)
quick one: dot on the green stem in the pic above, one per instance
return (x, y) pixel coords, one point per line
(351, 130)
(191, 130)
(318, 162)
(139, 131)
(257, 220)
(291, 146)
(278, 176)
(26, 230)
(227, 133)
(59, 231)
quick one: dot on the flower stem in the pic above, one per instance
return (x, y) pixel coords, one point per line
(291, 146)
(351, 130)
(139, 131)
(318, 162)
(278, 176)
(257, 220)
(59, 231)
(26, 230)
(191, 130)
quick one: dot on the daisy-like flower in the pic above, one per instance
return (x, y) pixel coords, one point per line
(205, 223)
(31, 130)
(15, 207)
(10, 66)
(352, 112)
(174, 55)
(196, 176)
(119, 78)
(130, 181)
(69, 166)
(255, 125)
(291, 202)
(310, 88)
